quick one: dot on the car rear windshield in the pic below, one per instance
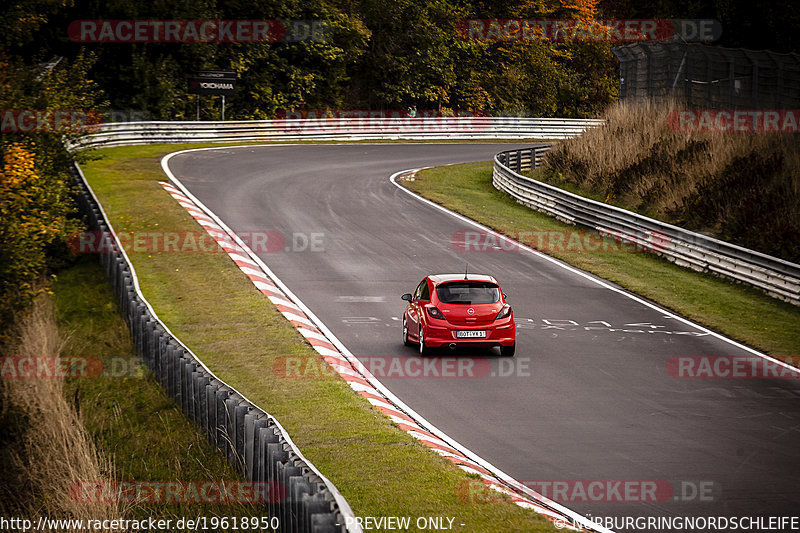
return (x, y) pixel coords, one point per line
(468, 292)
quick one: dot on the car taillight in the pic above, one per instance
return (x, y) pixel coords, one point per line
(504, 312)
(435, 312)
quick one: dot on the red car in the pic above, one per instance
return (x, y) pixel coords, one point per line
(458, 310)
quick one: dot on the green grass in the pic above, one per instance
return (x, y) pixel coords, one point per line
(127, 413)
(214, 308)
(740, 312)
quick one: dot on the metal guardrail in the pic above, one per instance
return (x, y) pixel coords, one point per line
(422, 128)
(252, 440)
(775, 276)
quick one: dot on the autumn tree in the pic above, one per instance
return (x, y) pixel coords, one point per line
(36, 209)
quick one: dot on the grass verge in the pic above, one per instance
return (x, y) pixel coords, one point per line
(125, 410)
(212, 306)
(740, 312)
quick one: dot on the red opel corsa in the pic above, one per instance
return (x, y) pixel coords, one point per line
(458, 310)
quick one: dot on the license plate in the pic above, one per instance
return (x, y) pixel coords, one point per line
(471, 334)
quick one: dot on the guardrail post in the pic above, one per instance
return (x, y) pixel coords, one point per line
(170, 369)
(220, 420)
(298, 487)
(276, 454)
(265, 435)
(285, 472)
(240, 411)
(161, 366)
(211, 410)
(249, 441)
(199, 380)
(188, 400)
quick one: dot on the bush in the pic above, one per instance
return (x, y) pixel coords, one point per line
(35, 211)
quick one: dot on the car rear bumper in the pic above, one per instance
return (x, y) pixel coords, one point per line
(497, 334)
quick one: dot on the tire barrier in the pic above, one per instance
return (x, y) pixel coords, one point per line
(253, 442)
(776, 277)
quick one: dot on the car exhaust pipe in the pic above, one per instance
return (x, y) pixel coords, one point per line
(452, 346)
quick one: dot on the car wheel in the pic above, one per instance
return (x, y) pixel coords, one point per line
(405, 332)
(508, 351)
(423, 350)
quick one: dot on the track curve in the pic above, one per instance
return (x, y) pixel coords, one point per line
(586, 398)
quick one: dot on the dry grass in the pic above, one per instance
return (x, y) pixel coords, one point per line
(740, 187)
(47, 448)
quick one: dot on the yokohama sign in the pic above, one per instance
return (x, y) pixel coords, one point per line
(213, 82)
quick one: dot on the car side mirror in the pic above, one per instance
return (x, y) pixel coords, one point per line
(406, 297)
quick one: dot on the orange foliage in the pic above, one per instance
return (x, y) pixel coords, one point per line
(581, 9)
(34, 211)
(18, 166)
(572, 9)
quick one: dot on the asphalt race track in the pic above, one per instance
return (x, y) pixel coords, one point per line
(587, 397)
